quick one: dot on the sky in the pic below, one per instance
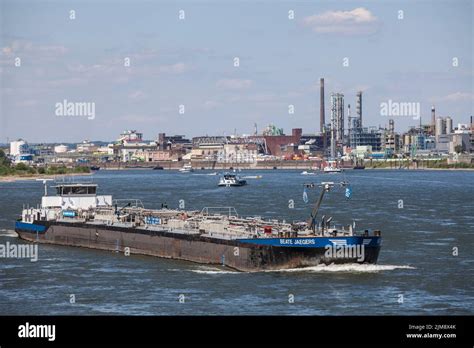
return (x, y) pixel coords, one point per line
(403, 51)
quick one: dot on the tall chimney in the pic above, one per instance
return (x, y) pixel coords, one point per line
(322, 120)
(359, 108)
(433, 116)
(349, 124)
(321, 107)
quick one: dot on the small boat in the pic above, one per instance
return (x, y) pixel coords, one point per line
(359, 167)
(308, 173)
(187, 168)
(94, 168)
(229, 179)
(158, 168)
(332, 168)
(252, 177)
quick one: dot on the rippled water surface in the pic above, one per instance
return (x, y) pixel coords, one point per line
(416, 261)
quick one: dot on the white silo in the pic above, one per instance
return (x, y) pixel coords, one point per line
(440, 126)
(449, 125)
(60, 148)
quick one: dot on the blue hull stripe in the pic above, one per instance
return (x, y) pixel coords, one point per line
(29, 227)
(315, 242)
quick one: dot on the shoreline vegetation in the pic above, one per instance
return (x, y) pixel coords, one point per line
(21, 171)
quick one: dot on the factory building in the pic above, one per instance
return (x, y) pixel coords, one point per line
(337, 116)
(392, 139)
(18, 147)
(368, 136)
(277, 145)
(130, 136)
(337, 122)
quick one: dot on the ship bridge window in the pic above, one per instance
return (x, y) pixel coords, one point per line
(65, 190)
(76, 190)
(79, 190)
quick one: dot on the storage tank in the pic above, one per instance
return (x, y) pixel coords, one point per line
(60, 149)
(439, 127)
(449, 125)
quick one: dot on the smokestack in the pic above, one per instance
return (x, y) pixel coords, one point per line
(321, 106)
(433, 116)
(349, 124)
(359, 108)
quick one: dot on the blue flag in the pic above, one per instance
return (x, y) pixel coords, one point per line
(305, 196)
(348, 192)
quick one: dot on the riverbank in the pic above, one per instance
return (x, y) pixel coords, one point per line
(421, 168)
(223, 169)
(11, 178)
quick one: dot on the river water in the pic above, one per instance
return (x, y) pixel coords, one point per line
(426, 265)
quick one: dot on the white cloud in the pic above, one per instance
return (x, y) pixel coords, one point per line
(28, 103)
(457, 96)
(177, 68)
(356, 21)
(67, 82)
(262, 97)
(234, 84)
(138, 95)
(21, 47)
(211, 104)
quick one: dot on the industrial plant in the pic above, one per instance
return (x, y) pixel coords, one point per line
(345, 139)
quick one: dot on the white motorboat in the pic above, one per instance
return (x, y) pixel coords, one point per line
(187, 168)
(229, 179)
(331, 169)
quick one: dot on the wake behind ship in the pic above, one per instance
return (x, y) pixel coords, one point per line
(77, 216)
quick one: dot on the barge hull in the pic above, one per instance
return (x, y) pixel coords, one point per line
(242, 256)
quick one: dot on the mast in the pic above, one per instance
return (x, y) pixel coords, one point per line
(314, 212)
(45, 182)
(326, 187)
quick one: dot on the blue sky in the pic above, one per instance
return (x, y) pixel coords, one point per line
(190, 62)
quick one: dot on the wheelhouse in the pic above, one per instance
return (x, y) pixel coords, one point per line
(76, 189)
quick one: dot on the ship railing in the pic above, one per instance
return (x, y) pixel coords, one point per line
(278, 225)
(209, 211)
(341, 230)
(230, 234)
(128, 203)
(65, 179)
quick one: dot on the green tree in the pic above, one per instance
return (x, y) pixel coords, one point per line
(21, 167)
(4, 161)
